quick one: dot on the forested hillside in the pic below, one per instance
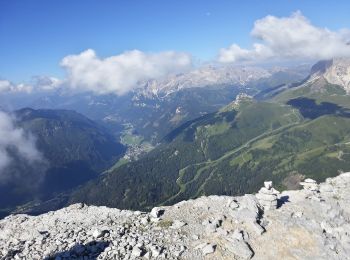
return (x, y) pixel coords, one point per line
(234, 150)
(74, 150)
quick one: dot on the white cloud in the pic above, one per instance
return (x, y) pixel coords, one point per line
(121, 73)
(40, 83)
(7, 86)
(44, 83)
(116, 74)
(13, 140)
(289, 38)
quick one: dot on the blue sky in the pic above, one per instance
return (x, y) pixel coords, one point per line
(36, 35)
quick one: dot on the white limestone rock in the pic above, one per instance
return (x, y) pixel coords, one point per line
(203, 228)
(240, 249)
(136, 252)
(232, 204)
(157, 212)
(99, 233)
(268, 184)
(208, 249)
(177, 224)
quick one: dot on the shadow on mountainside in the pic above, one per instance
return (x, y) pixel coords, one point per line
(90, 250)
(310, 109)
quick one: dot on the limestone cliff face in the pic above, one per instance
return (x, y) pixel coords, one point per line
(313, 223)
(335, 71)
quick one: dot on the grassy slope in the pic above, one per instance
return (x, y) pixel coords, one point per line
(326, 93)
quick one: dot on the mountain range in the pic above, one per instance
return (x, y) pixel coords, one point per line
(286, 133)
(156, 107)
(207, 139)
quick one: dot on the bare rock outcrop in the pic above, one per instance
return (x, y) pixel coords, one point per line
(312, 223)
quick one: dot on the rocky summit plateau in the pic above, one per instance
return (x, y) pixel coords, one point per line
(312, 223)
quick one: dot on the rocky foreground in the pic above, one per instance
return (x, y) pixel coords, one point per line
(313, 223)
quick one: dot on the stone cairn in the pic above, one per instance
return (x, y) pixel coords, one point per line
(310, 185)
(312, 189)
(267, 196)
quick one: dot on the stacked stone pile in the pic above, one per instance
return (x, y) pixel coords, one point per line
(310, 185)
(267, 196)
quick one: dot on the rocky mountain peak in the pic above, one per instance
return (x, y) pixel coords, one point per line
(241, 98)
(203, 77)
(335, 71)
(312, 223)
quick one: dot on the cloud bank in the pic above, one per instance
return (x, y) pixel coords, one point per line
(115, 74)
(39, 83)
(121, 73)
(289, 38)
(14, 142)
(7, 86)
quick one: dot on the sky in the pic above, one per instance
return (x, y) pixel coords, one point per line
(54, 38)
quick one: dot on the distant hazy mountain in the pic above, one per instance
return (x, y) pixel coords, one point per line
(210, 76)
(75, 150)
(203, 77)
(159, 106)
